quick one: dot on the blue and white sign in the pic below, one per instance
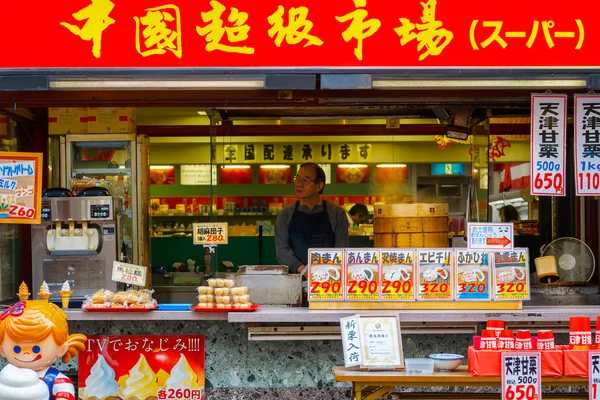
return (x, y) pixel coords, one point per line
(490, 236)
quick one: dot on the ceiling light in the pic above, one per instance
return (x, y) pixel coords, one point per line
(161, 167)
(391, 166)
(236, 166)
(542, 84)
(203, 113)
(353, 166)
(89, 84)
(275, 166)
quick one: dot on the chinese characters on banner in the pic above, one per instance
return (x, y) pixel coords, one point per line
(289, 153)
(397, 271)
(548, 144)
(325, 278)
(310, 33)
(521, 376)
(152, 366)
(587, 145)
(351, 341)
(20, 188)
(362, 282)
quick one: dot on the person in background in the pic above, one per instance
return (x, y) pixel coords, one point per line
(359, 214)
(509, 213)
(309, 222)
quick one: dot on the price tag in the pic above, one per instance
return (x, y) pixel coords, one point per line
(362, 281)
(594, 374)
(210, 233)
(521, 376)
(21, 211)
(548, 144)
(325, 275)
(129, 273)
(511, 275)
(435, 272)
(587, 145)
(472, 274)
(397, 272)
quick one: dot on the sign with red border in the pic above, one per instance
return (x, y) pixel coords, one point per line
(20, 188)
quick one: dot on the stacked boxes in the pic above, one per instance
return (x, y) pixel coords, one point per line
(64, 121)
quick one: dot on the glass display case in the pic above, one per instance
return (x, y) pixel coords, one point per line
(120, 163)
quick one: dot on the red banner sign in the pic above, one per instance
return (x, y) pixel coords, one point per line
(300, 33)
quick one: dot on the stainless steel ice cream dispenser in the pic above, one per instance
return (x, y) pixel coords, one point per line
(76, 241)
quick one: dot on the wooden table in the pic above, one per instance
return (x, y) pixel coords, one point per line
(377, 384)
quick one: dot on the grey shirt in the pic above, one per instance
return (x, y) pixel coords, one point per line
(285, 255)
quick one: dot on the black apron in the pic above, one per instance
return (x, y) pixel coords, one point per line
(309, 231)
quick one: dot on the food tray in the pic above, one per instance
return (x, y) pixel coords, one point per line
(126, 310)
(174, 307)
(253, 307)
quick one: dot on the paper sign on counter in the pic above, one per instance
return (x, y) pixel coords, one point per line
(435, 274)
(397, 272)
(325, 274)
(473, 275)
(351, 341)
(362, 280)
(521, 376)
(129, 273)
(511, 275)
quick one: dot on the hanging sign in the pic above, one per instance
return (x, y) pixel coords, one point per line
(548, 144)
(521, 376)
(472, 274)
(490, 236)
(210, 233)
(397, 271)
(594, 374)
(587, 145)
(325, 276)
(20, 188)
(362, 282)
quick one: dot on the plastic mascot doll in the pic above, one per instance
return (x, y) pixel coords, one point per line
(33, 334)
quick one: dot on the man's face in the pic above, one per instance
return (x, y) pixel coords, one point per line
(307, 187)
(355, 218)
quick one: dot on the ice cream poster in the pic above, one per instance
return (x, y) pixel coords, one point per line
(472, 274)
(20, 188)
(362, 280)
(150, 367)
(511, 275)
(435, 274)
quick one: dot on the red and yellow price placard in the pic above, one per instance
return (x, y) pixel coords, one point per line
(511, 275)
(325, 277)
(362, 280)
(435, 274)
(397, 272)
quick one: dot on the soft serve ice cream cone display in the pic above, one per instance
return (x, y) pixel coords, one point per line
(23, 292)
(182, 376)
(142, 383)
(65, 294)
(101, 383)
(44, 292)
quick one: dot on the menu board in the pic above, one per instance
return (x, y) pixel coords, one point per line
(325, 277)
(397, 271)
(362, 281)
(20, 188)
(511, 275)
(435, 274)
(472, 274)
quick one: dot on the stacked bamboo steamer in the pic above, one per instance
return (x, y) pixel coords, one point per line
(411, 225)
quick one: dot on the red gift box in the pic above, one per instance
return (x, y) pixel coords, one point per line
(488, 363)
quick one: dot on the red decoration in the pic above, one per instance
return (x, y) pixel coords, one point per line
(14, 310)
(352, 174)
(235, 175)
(162, 176)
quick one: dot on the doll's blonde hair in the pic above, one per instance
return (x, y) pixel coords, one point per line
(39, 320)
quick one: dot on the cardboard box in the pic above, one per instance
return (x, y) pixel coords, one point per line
(111, 120)
(63, 121)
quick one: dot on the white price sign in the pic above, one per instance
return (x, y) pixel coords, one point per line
(594, 374)
(548, 144)
(521, 376)
(210, 233)
(587, 145)
(129, 273)
(490, 236)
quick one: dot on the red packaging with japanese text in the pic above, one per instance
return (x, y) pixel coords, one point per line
(488, 340)
(495, 325)
(545, 340)
(580, 333)
(597, 338)
(506, 341)
(523, 340)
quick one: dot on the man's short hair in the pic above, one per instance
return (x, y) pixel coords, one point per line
(319, 173)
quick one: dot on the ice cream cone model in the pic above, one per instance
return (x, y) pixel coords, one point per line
(23, 292)
(65, 294)
(44, 292)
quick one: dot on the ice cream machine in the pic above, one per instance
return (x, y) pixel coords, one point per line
(76, 242)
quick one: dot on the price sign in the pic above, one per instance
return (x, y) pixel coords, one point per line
(21, 211)
(435, 273)
(397, 272)
(548, 144)
(594, 374)
(472, 274)
(325, 275)
(21, 187)
(490, 236)
(511, 275)
(587, 145)
(521, 376)
(210, 233)
(129, 273)
(362, 281)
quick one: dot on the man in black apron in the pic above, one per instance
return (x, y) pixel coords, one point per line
(309, 222)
